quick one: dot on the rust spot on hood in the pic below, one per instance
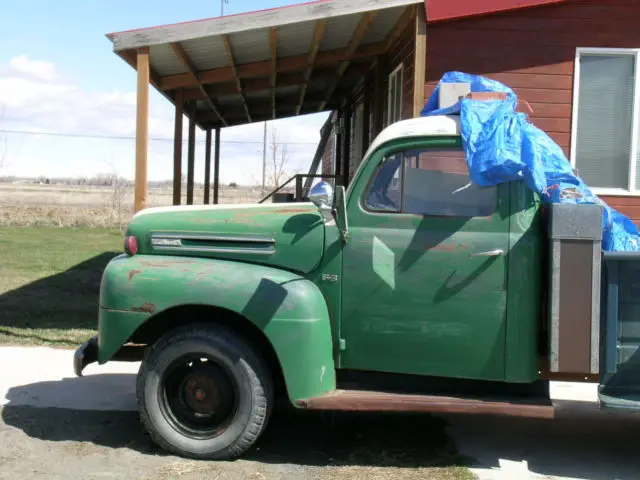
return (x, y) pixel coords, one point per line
(133, 273)
(165, 263)
(292, 210)
(443, 248)
(447, 247)
(145, 307)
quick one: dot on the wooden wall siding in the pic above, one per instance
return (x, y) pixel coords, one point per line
(402, 51)
(327, 157)
(533, 51)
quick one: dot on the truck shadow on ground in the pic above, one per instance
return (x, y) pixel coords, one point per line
(578, 444)
(66, 300)
(292, 437)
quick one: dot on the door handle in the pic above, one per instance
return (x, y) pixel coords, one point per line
(490, 253)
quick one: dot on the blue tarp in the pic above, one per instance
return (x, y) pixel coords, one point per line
(501, 145)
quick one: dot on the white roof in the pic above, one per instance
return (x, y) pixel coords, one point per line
(269, 64)
(417, 127)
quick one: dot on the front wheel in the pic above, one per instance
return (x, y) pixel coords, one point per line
(204, 393)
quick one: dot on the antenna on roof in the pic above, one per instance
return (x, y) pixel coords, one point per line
(222, 2)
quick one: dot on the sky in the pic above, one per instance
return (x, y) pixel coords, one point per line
(67, 102)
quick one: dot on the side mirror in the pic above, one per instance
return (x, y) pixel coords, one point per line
(322, 195)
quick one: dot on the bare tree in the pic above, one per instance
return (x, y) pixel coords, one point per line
(118, 188)
(278, 170)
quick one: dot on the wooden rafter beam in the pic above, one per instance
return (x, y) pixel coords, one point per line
(316, 41)
(258, 85)
(354, 43)
(296, 63)
(401, 25)
(287, 105)
(232, 64)
(234, 121)
(273, 47)
(130, 56)
(182, 56)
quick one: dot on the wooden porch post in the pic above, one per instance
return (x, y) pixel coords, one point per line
(142, 129)
(207, 167)
(216, 168)
(346, 147)
(191, 157)
(338, 152)
(177, 148)
(379, 96)
(366, 119)
(420, 61)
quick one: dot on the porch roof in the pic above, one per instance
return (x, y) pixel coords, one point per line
(268, 64)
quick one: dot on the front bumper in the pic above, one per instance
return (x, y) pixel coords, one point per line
(85, 355)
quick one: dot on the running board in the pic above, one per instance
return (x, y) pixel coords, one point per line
(358, 400)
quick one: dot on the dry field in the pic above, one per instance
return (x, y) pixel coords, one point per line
(85, 206)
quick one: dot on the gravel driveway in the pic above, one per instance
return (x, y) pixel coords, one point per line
(54, 425)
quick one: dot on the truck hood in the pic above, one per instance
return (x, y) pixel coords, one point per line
(289, 236)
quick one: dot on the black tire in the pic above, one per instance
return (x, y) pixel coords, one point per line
(232, 364)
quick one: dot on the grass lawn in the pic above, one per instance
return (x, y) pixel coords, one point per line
(50, 281)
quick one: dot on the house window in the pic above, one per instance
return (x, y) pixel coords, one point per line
(394, 96)
(429, 183)
(605, 131)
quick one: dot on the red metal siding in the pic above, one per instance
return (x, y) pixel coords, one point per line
(441, 10)
(629, 206)
(533, 51)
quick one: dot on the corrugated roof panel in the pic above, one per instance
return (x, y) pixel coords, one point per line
(262, 96)
(319, 84)
(251, 46)
(382, 25)
(229, 100)
(164, 61)
(339, 31)
(295, 39)
(287, 91)
(206, 53)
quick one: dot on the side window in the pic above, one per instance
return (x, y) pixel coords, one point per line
(429, 183)
(385, 192)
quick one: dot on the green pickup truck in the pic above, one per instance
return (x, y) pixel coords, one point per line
(412, 290)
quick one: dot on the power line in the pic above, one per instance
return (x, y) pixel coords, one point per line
(124, 137)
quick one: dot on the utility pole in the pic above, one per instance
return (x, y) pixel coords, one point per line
(264, 157)
(222, 2)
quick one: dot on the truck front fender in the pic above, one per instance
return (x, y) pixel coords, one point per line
(289, 309)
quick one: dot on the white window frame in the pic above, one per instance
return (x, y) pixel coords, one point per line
(633, 190)
(398, 71)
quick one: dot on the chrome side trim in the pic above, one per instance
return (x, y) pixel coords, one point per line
(254, 251)
(168, 242)
(215, 238)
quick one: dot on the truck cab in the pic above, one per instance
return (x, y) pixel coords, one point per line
(413, 290)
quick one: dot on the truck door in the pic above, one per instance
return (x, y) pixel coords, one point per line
(424, 269)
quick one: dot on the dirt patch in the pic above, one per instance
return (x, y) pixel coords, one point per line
(51, 442)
